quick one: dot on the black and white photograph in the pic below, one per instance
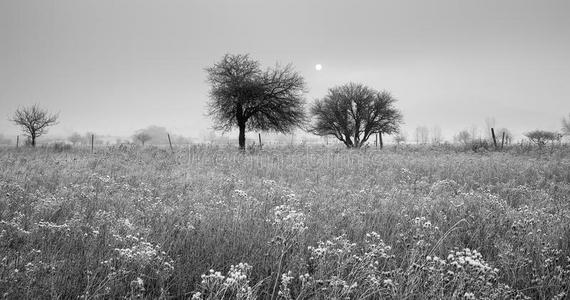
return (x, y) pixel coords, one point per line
(285, 150)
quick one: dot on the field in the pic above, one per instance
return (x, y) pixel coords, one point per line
(291, 223)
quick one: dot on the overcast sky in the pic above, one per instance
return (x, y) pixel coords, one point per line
(113, 67)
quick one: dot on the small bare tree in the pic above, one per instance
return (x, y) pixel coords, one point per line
(474, 132)
(422, 135)
(33, 121)
(508, 135)
(142, 136)
(566, 125)
(436, 137)
(463, 137)
(75, 138)
(400, 138)
(541, 137)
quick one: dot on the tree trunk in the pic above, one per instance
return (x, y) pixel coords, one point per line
(348, 142)
(241, 136)
(33, 140)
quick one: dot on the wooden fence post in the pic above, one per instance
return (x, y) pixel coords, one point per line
(17, 141)
(92, 140)
(503, 140)
(494, 139)
(260, 146)
(170, 143)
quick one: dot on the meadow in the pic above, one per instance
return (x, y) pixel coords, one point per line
(288, 223)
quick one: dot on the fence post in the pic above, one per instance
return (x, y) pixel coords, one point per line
(494, 139)
(17, 141)
(170, 142)
(503, 141)
(260, 146)
(92, 139)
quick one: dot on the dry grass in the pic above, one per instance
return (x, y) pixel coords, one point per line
(303, 223)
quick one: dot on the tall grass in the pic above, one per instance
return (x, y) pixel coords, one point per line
(292, 223)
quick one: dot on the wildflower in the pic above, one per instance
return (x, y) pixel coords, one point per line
(139, 281)
(304, 277)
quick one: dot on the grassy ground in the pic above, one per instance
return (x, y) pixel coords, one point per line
(290, 223)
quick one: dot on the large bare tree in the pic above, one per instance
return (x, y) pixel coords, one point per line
(353, 112)
(242, 95)
(34, 121)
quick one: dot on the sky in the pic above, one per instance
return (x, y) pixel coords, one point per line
(115, 66)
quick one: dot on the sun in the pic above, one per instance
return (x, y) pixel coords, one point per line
(318, 67)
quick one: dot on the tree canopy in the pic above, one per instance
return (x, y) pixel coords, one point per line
(142, 136)
(242, 95)
(353, 112)
(541, 137)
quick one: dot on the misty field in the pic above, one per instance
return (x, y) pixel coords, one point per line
(291, 223)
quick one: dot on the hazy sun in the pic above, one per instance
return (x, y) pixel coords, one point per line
(318, 67)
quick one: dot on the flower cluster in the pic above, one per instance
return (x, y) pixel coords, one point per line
(340, 269)
(289, 218)
(143, 258)
(235, 285)
(463, 271)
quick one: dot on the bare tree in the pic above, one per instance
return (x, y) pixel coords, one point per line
(400, 138)
(33, 121)
(436, 137)
(243, 95)
(463, 137)
(566, 125)
(422, 135)
(158, 134)
(541, 137)
(474, 132)
(508, 135)
(75, 138)
(352, 112)
(142, 136)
